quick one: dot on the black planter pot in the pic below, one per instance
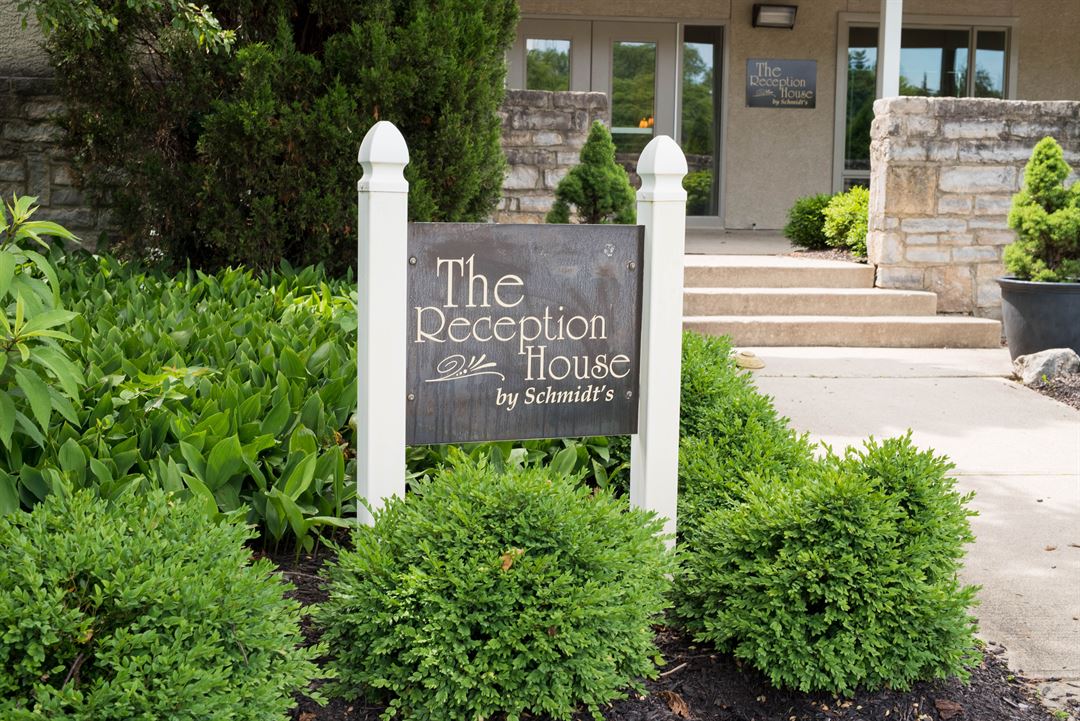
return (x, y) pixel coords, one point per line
(1039, 316)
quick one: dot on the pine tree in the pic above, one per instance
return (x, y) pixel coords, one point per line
(598, 188)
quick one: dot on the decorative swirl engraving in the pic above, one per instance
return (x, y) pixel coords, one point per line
(455, 367)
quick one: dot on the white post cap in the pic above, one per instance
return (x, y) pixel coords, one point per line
(662, 166)
(383, 157)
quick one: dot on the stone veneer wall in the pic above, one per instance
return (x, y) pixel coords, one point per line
(542, 136)
(944, 171)
(33, 161)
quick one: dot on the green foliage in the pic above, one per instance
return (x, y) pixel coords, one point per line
(698, 186)
(142, 609)
(730, 433)
(248, 155)
(37, 378)
(600, 462)
(844, 575)
(547, 69)
(1046, 217)
(487, 593)
(806, 222)
(230, 388)
(846, 219)
(598, 188)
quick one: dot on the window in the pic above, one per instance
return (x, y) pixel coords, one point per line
(547, 64)
(934, 62)
(633, 95)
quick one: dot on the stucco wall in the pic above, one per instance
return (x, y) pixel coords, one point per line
(944, 173)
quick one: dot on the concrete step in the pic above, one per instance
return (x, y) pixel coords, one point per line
(780, 271)
(880, 331)
(807, 301)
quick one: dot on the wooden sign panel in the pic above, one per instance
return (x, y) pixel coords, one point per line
(774, 83)
(522, 331)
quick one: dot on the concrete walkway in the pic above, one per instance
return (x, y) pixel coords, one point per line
(1017, 450)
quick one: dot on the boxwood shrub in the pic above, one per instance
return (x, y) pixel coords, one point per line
(847, 218)
(141, 609)
(486, 593)
(844, 575)
(806, 222)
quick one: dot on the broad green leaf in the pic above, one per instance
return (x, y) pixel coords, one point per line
(303, 440)
(564, 461)
(67, 374)
(291, 511)
(195, 461)
(9, 494)
(7, 272)
(7, 418)
(301, 477)
(226, 458)
(275, 421)
(291, 365)
(37, 393)
(72, 458)
(202, 495)
(48, 319)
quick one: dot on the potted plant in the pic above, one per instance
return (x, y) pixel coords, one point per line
(1041, 296)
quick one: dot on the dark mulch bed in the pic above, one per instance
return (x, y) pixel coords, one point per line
(1065, 388)
(829, 254)
(698, 683)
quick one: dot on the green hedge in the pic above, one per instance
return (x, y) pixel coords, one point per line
(484, 593)
(142, 609)
(806, 222)
(240, 147)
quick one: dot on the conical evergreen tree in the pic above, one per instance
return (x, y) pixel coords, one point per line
(598, 188)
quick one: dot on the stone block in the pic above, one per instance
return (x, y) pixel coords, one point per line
(12, 171)
(904, 278)
(522, 177)
(940, 150)
(895, 149)
(932, 225)
(24, 132)
(885, 248)
(994, 237)
(536, 203)
(922, 239)
(976, 253)
(977, 179)
(61, 174)
(921, 125)
(38, 179)
(29, 87)
(566, 157)
(528, 99)
(43, 109)
(534, 218)
(957, 239)
(995, 151)
(65, 196)
(539, 119)
(72, 218)
(548, 139)
(927, 255)
(954, 287)
(910, 190)
(988, 222)
(517, 138)
(987, 293)
(988, 204)
(974, 129)
(954, 205)
(553, 176)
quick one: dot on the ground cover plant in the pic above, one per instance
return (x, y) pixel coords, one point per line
(142, 608)
(227, 133)
(488, 593)
(1046, 217)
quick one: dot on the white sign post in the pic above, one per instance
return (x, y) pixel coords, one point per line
(382, 271)
(654, 450)
(381, 277)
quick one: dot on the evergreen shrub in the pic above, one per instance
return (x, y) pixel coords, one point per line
(142, 609)
(238, 146)
(841, 576)
(806, 222)
(598, 188)
(698, 186)
(730, 432)
(523, 593)
(1046, 217)
(847, 217)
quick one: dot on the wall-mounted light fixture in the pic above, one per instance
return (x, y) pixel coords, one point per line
(774, 16)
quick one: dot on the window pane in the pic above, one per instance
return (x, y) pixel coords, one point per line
(990, 64)
(701, 49)
(547, 64)
(633, 95)
(934, 63)
(861, 89)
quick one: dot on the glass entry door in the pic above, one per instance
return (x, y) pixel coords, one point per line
(634, 63)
